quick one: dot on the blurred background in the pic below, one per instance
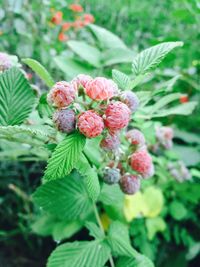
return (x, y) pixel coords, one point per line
(58, 33)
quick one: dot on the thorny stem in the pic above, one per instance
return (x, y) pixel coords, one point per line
(101, 227)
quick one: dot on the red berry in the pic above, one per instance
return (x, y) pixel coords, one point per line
(117, 116)
(65, 120)
(141, 162)
(57, 18)
(76, 8)
(130, 99)
(130, 184)
(110, 142)
(62, 94)
(135, 137)
(101, 88)
(184, 99)
(90, 124)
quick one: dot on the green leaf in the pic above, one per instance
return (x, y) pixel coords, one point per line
(164, 101)
(155, 225)
(64, 198)
(95, 231)
(72, 67)
(44, 109)
(117, 56)
(111, 195)
(80, 254)
(16, 97)
(39, 70)
(118, 238)
(182, 109)
(106, 38)
(90, 177)
(151, 57)
(87, 52)
(65, 156)
(140, 261)
(121, 79)
(177, 210)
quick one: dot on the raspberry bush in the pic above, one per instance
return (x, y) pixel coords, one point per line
(93, 132)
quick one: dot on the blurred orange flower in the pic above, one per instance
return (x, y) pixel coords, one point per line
(57, 18)
(66, 26)
(184, 99)
(88, 18)
(76, 8)
(62, 37)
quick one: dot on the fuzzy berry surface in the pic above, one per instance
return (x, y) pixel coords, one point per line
(101, 88)
(111, 175)
(117, 116)
(129, 184)
(62, 94)
(130, 99)
(141, 162)
(90, 124)
(5, 62)
(110, 143)
(81, 81)
(135, 137)
(65, 120)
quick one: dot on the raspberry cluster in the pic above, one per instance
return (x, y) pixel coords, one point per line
(95, 106)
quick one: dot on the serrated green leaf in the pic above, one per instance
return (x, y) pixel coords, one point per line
(23, 134)
(151, 57)
(65, 198)
(90, 177)
(106, 38)
(87, 52)
(121, 79)
(80, 254)
(65, 156)
(39, 70)
(16, 97)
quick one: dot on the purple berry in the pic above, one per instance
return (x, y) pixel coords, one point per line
(110, 143)
(130, 184)
(65, 120)
(130, 99)
(111, 176)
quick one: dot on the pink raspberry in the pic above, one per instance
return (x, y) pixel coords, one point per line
(130, 99)
(81, 81)
(164, 136)
(135, 137)
(129, 184)
(117, 116)
(141, 162)
(101, 88)
(110, 142)
(150, 172)
(65, 120)
(62, 94)
(5, 62)
(90, 124)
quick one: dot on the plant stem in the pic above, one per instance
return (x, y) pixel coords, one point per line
(101, 227)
